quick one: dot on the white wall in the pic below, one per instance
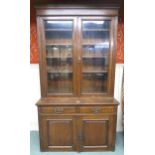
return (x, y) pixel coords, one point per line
(35, 90)
(117, 94)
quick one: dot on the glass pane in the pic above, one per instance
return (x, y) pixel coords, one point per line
(96, 24)
(95, 53)
(58, 25)
(59, 56)
(94, 82)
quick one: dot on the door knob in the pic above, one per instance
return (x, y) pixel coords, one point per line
(79, 59)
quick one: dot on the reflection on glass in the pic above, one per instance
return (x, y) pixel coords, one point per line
(96, 35)
(96, 24)
(58, 32)
(95, 50)
(59, 65)
(59, 56)
(94, 65)
(58, 25)
(61, 51)
(60, 83)
(96, 47)
(94, 83)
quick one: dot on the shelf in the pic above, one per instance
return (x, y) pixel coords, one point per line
(58, 29)
(59, 70)
(58, 42)
(96, 71)
(57, 57)
(96, 30)
(93, 41)
(56, 71)
(92, 57)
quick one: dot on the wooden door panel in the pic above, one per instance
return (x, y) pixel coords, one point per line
(95, 132)
(60, 133)
(57, 133)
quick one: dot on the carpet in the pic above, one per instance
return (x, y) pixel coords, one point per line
(35, 150)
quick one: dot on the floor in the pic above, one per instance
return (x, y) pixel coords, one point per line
(34, 147)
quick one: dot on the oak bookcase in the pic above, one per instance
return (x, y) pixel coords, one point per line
(77, 44)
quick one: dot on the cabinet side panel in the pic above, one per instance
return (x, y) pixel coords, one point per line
(115, 22)
(42, 63)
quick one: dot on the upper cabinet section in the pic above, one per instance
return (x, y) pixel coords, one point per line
(77, 53)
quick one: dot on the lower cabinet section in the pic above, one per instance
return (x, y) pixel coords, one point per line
(77, 132)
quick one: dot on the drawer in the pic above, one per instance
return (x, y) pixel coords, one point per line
(97, 109)
(57, 109)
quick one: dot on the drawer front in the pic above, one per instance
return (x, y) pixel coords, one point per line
(97, 109)
(57, 109)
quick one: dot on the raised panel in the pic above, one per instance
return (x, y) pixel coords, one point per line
(57, 133)
(96, 132)
(100, 128)
(60, 133)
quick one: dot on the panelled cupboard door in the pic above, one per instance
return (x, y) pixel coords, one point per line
(96, 133)
(57, 133)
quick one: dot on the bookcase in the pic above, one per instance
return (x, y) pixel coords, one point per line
(77, 43)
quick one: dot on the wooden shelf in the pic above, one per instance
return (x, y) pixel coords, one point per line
(57, 71)
(93, 41)
(58, 42)
(55, 57)
(91, 57)
(104, 30)
(95, 71)
(58, 29)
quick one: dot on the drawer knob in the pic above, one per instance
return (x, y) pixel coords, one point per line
(58, 110)
(96, 109)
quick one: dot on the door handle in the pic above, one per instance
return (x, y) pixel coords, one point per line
(79, 60)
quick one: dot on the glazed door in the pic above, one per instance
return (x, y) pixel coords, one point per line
(95, 133)
(95, 52)
(58, 70)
